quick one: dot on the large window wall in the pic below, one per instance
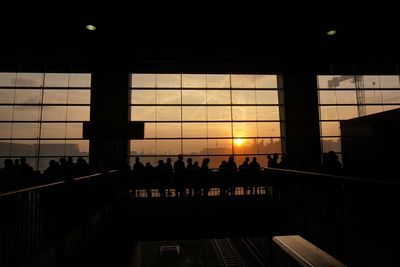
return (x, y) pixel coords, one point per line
(41, 116)
(347, 96)
(206, 115)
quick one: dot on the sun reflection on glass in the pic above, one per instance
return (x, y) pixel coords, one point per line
(238, 141)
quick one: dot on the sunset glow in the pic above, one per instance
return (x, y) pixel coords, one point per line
(238, 141)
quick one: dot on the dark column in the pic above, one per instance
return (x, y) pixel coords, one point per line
(109, 105)
(298, 93)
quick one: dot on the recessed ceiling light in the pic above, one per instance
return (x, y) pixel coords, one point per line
(331, 32)
(90, 27)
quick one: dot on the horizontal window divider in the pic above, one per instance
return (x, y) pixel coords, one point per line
(359, 89)
(47, 88)
(203, 138)
(42, 121)
(199, 155)
(41, 139)
(204, 88)
(225, 121)
(44, 105)
(44, 157)
(360, 104)
(203, 105)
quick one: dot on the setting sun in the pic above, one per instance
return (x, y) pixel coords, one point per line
(238, 141)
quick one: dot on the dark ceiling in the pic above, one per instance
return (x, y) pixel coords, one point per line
(276, 32)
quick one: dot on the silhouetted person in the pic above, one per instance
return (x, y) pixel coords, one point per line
(244, 175)
(179, 175)
(284, 163)
(222, 177)
(26, 172)
(169, 175)
(255, 172)
(189, 176)
(8, 176)
(196, 179)
(148, 178)
(52, 171)
(160, 173)
(331, 164)
(232, 173)
(273, 160)
(205, 182)
(138, 174)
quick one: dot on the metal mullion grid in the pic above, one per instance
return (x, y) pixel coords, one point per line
(46, 88)
(203, 88)
(202, 138)
(39, 104)
(354, 89)
(367, 104)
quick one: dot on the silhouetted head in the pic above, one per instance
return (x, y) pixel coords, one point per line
(231, 159)
(254, 159)
(189, 160)
(269, 156)
(137, 159)
(169, 160)
(246, 159)
(275, 155)
(160, 162)
(180, 157)
(205, 161)
(8, 163)
(70, 160)
(23, 160)
(196, 164)
(16, 161)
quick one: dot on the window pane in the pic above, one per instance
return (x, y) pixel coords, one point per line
(168, 147)
(194, 113)
(347, 112)
(7, 96)
(245, 146)
(143, 147)
(266, 81)
(369, 81)
(53, 130)
(269, 145)
(218, 97)
(6, 113)
(55, 96)
(194, 81)
(24, 148)
(143, 96)
(54, 113)
(26, 113)
(338, 81)
(5, 130)
(193, 96)
(243, 97)
(8, 79)
(194, 130)
(25, 130)
(78, 96)
(346, 97)
(391, 97)
(243, 81)
(28, 96)
(373, 97)
(327, 97)
(269, 129)
(219, 113)
(220, 147)
(267, 113)
(55, 148)
(80, 80)
(4, 147)
(168, 130)
(30, 79)
(77, 147)
(78, 113)
(330, 128)
(168, 96)
(331, 144)
(150, 130)
(244, 113)
(143, 80)
(219, 129)
(218, 81)
(373, 109)
(388, 81)
(390, 107)
(143, 113)
(74, 130)
(193, 147)
(245, 129)
(169, 113)
(168, 80)
(328, 112)
(267, 97)
(56, 80)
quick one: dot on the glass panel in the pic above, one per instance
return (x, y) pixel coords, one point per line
(391, 97)
(80, 80)
(243, 97)
(56, 80)
(215, 161)
(25, 130)
(243, 81)
(143, 113)
(389, 81)
(195, 147)
(193, 96)
(330, 128)
(55, 148)
(390, 107)
(168, 130)
(78, 96)
(346, 97)
(143, 147)
(266, 81)
(45, 162)
(194, 113)
(218, 81)
(331, 144)
(143, 96)
(369, 81)
(327, 97)
(347, 112)
(194, 130)
(74, 130)
(26, 113)
(245, 146)
(168, 80)
(267, 97)
(261, 159)
(28, 96)
(220, 129)
(145, 160)
(168, 147)
(150, 130)
(245, 129)
(77, 147)
(8, 79)
(143, 80)
(4, 148)
(5, 130)
(168, 96)
(6, 113)
(78, 113)
(30, 79)
(269, 129)
(267, 113)
(269, 145)
(53, 130)
(7, 96)
(328, 112)
(244, 113)
(373, 97)
(219, 113)
(169, 113)
(373, 109)
(218, 97)
(194, 81)
(338, 81)
(54, 113)
(55, 96)
(220, 147)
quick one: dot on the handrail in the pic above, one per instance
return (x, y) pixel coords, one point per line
(51, 184)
